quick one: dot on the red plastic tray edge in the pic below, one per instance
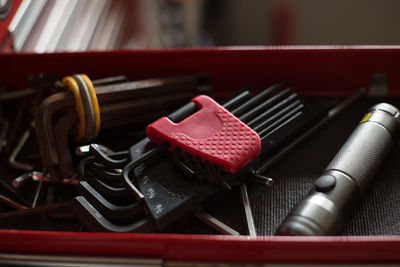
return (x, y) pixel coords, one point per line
(206, 247)
(309, 66)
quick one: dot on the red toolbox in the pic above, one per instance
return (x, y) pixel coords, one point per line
(320, 71)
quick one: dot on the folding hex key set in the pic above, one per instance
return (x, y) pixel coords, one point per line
(212, 148)
(195, 153)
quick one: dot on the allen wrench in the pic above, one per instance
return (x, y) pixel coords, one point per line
(122, 214)
(15, 193)
(85, 150)
(215, 223)
(44, 129)
(17, 149)
(11, 203)
(5, 126)
(104, 174)
(118, 194)
(35, 176)
(95, 221)
(251, 229)
(38, 190)
(62, 129)
(329, 115)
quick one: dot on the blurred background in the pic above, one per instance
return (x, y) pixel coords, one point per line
(80, 25)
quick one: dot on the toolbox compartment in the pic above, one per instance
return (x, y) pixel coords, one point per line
(372, 234)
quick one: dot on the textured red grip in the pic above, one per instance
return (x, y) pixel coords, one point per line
(212, 133)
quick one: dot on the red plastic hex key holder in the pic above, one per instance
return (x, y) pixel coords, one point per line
(212, 133)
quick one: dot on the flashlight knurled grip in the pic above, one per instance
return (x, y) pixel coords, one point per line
(347, 177)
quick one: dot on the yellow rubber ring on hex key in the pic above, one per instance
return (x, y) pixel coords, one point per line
(95, 103)
(71, 84)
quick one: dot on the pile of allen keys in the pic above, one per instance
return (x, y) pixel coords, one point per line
(118, 102)
(148, 189)
(67, 114)
(193, 154)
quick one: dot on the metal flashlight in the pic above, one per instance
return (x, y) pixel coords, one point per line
(342, 184)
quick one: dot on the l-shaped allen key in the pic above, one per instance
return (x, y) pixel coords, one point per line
(167, 190)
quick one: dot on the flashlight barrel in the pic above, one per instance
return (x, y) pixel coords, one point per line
(342, 184)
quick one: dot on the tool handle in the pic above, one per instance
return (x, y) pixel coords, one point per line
(347, 176)
(212, 133)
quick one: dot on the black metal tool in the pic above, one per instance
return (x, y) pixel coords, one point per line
(347, 177)
(163, 180)
(118, 214)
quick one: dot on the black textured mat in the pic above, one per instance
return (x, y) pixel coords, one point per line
(377, 214)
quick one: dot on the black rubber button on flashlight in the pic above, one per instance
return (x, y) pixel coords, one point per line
(325, 183)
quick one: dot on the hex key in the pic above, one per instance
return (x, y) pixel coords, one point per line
(236, 100)
(283, 116)
(114, 213)
(133, 164)
(106, 160)
(107, 176)
(263, 116)
(12, 159)
(255, 111)
(276, 116)
(94, 221)
(254, 119)
(116, 194)
(61, 132)
(82, 165)
(264, 94)
(44, 129)
(91, 159)
(287, 119)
